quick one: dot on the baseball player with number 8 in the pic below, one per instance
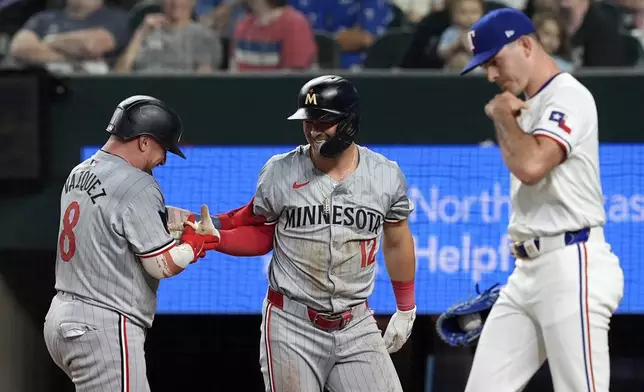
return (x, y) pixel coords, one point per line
(115, 246)
(567, 283)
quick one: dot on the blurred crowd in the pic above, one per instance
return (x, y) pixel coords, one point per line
(210, 36)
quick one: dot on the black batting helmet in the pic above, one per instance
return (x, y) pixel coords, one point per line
(144, 115)
(331, 99)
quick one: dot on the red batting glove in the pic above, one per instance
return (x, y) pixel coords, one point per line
(200, 243)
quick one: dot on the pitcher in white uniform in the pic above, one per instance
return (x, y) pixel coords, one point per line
(567, 283)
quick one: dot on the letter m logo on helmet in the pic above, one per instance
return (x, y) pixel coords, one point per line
(310, 98)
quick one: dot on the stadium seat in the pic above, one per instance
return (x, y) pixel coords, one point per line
(388, 50)
(634, 50)
(399, 18)
(615, 13)
(328, 51)
(225, 50)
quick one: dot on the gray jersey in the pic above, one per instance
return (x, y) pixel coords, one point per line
(328, 234)
(111, 212)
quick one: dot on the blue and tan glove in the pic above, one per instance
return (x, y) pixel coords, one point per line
(462, 323)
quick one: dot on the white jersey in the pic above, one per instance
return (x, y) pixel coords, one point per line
(570, 196)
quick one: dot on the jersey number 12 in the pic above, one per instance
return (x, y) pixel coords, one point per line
(368, 250)
(69, 223)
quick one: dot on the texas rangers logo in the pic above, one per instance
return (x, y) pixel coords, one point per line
(470, 38)
(560, 119)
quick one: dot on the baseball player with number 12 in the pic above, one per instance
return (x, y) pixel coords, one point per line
(326, 205)
(567, 283)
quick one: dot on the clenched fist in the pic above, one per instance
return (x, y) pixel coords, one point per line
(505, 103)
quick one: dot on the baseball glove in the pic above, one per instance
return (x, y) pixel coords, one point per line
(450, 326)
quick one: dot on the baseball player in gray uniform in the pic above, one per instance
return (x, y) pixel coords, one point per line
(113, 248)
(329, 203)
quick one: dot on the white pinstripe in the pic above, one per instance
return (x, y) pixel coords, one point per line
(125, 355)
(269, 353)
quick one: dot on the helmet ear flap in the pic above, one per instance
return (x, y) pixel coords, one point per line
(351, 125)
(344, 135)
(116, 124)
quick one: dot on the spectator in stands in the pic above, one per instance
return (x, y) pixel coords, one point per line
(551, 32)
(632, 14)
(170, 42)
(454, 42)
(595, 39)
(85, 36)
(355, 24)
(272, 36)
(422, 51)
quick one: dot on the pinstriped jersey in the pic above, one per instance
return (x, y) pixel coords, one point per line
(570, 197)
(327, 234)
(111, 212)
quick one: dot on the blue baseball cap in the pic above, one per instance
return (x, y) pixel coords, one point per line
(495, 30)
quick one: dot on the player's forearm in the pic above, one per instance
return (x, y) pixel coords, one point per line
(239, 217)
(400, 258)
(520, 150)
(247, 240)
(169, 262)
(400, 261)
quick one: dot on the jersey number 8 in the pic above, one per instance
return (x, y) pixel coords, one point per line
(69, 223)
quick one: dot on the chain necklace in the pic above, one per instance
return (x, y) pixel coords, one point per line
(346, 171)
(327, 204)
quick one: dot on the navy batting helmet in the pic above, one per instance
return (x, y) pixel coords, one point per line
(144, 115)
(331, 99)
